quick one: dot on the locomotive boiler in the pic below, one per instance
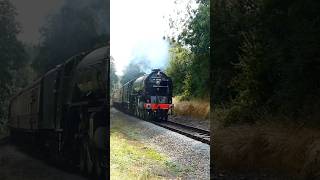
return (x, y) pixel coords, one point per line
(148, 97)
(65, 111)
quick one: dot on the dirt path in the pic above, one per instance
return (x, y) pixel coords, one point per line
(16, 164)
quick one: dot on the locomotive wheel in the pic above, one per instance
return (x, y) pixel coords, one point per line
(143, 115)
(89, 164)
(99, 171)
(166, 117)
(83, 159)
(148, 116)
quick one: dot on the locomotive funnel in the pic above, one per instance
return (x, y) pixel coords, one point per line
(156, 70)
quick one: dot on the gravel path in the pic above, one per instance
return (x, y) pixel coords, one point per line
(180, 149)
(17, 165)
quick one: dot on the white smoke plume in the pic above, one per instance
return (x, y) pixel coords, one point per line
(152, 54)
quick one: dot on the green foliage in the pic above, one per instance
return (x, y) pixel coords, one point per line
(186, 87)
(196, 35)
(113, 77)
(11, 50)
(178, 68)
(268, 51)
(230, 19)
(77, 27)
(189, 57)
(200, 76)
(12, 54)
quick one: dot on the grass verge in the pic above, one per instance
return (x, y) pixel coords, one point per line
(131, 159)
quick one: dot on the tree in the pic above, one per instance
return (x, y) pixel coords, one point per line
(266, 58)
(113, 77)
(196, 35)
(78, 26)
(189, 62)
(12, 53)
(179, 68)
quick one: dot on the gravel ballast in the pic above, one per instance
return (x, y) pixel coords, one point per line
(191, 155)
(193, 122)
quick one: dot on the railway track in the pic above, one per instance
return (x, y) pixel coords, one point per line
(189, 131)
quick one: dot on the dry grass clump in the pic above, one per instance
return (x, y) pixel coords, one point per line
(196, 108)
(284, 149)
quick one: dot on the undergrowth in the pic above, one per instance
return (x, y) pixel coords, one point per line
(196, 108)
(279, 148)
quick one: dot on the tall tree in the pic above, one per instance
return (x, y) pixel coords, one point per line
(266, 58)
(191, 54)
(113, 77)
(78, 26)
(179, 68)
(12, 53)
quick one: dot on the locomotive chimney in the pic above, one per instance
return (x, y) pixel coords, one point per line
(156, 70)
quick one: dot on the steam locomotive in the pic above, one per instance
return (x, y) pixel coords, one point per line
(65, 111)
(148, 97)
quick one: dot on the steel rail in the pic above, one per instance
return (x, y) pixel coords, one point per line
(189, 131)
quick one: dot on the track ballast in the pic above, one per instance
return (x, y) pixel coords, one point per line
(189, 131)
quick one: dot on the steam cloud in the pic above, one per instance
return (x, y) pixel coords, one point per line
(151, 54)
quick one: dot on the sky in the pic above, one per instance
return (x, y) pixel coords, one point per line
(137, 29)
(32, 15)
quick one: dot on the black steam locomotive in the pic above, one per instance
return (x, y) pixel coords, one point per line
(148, 97)
(65, 111)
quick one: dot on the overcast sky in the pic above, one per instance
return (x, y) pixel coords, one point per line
(32, 15)
(137, 29)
